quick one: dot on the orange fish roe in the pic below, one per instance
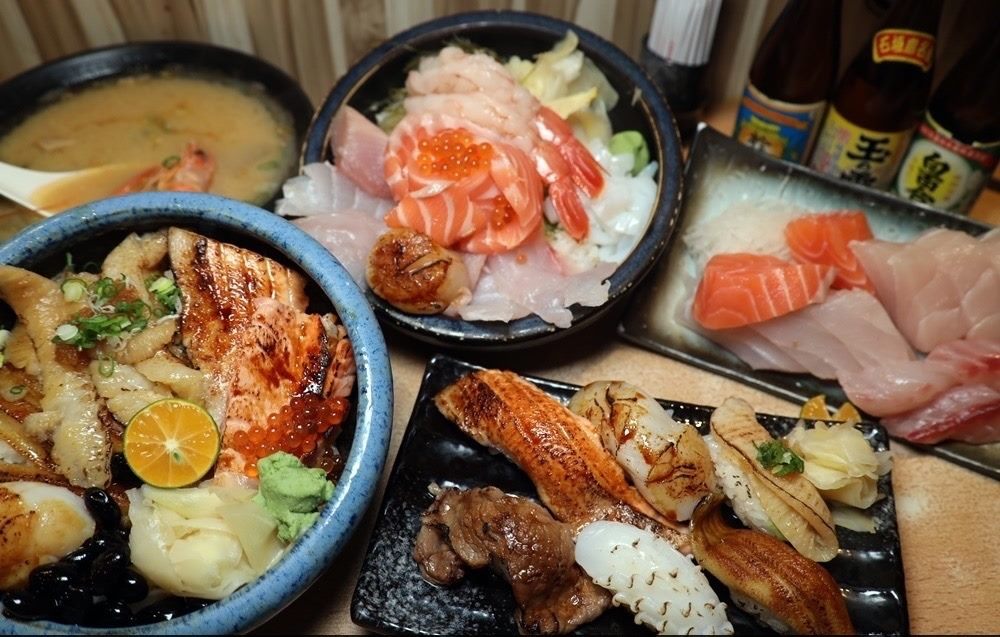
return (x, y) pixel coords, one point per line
(452, 154)
(503, 212)
(295, 429)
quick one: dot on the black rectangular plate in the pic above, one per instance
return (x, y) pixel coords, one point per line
(392, 597)
(721, 171)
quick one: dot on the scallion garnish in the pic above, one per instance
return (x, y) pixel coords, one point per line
(104, 319)
(171, 161)
(106, 368)
(166, 292)
(16, 390)
(74, 289)
(781, 460)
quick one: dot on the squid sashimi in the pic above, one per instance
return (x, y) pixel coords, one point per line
(967, 413)
(898, 387)
(848, 332)
(358, 147)
(825, 239)
(742, 289)
(943, 286)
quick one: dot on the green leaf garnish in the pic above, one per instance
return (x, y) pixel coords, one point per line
(781, 460)
(103, 320)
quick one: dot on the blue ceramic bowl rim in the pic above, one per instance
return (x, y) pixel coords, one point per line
(454, 332)
(312, 553)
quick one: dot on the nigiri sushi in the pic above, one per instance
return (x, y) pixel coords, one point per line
(945, 285)
(742, 289)
(663, 587)
(825, 239)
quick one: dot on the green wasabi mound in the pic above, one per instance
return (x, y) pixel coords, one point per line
(291, 493)
(631, 142)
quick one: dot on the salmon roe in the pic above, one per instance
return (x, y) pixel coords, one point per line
(503, 212)
(452, 154)
(296, 429)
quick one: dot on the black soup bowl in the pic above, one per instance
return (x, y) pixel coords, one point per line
(640, 107)
(22, 95)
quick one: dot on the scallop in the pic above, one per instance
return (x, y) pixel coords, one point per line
(41, 523)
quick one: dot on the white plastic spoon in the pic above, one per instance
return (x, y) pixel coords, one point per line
(50, 192)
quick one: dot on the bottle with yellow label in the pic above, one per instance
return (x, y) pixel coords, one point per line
(957, 146)
(881, 98)
(790, 80)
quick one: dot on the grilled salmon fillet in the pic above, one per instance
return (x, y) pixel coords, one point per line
(218, 284)
(576, 478)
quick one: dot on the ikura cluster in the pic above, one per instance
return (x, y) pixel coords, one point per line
(296, 429)
(452, 154)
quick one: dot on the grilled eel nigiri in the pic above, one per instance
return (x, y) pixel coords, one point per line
(576, 477)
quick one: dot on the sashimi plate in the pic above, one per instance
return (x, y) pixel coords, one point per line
(722, 172)
(391, 596)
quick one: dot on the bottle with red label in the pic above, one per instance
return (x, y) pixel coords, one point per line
(957, 146)
(790, 80)
(881, 98)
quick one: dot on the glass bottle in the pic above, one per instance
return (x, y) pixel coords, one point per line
(881, 98)
(957, 146)
(790, 80)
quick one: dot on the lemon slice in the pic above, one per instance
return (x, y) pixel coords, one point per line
(815, 409)
(171, 443)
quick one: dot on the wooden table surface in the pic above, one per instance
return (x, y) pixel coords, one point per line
(946, 513)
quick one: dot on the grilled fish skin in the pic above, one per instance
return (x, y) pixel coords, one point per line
(576, 478)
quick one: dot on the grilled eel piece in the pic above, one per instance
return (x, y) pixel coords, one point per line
(576, 478)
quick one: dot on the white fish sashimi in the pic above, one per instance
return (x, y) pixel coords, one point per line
(967, 413)
(322, 189)
(349, 235)
(847, 333)
(665, 589)
(903, 387)
(529, 280)
(945, 285)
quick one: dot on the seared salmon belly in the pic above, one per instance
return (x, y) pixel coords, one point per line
(576, 478)
(218, 284)
(279, 377)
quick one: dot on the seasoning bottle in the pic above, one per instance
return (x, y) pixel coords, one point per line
(790, 80)
(957, 146)
(881, 98)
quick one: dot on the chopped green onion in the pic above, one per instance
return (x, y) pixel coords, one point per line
(69, 262)
(273, 164)
(165, 290)
(104, 290)
(74, 289)
(781, 460)
(171, 161)
(4, 337)
(106, 368)
(67, 332)
(17, 390)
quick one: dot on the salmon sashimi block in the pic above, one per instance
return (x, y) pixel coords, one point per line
(288, 387)
(358, 147)
(461, 184)
(942, 286)
(743, 289)
(825, 239)
(967, 413)
(576, 477)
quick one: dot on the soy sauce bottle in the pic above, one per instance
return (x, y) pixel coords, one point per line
(790, 80)
(957, 145)
(881, 98)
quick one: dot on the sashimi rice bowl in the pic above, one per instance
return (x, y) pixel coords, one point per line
(496, 168)
(187, 431)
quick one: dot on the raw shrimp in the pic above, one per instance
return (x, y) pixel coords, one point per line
(191, 172)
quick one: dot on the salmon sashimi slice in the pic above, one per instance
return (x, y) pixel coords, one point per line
(576, 477)
(461, 185)
(288, 376)
(742, 289)
(218, 283)
(825, 239)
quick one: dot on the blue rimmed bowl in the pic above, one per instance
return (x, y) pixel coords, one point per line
(90, 232)
(641, 107)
